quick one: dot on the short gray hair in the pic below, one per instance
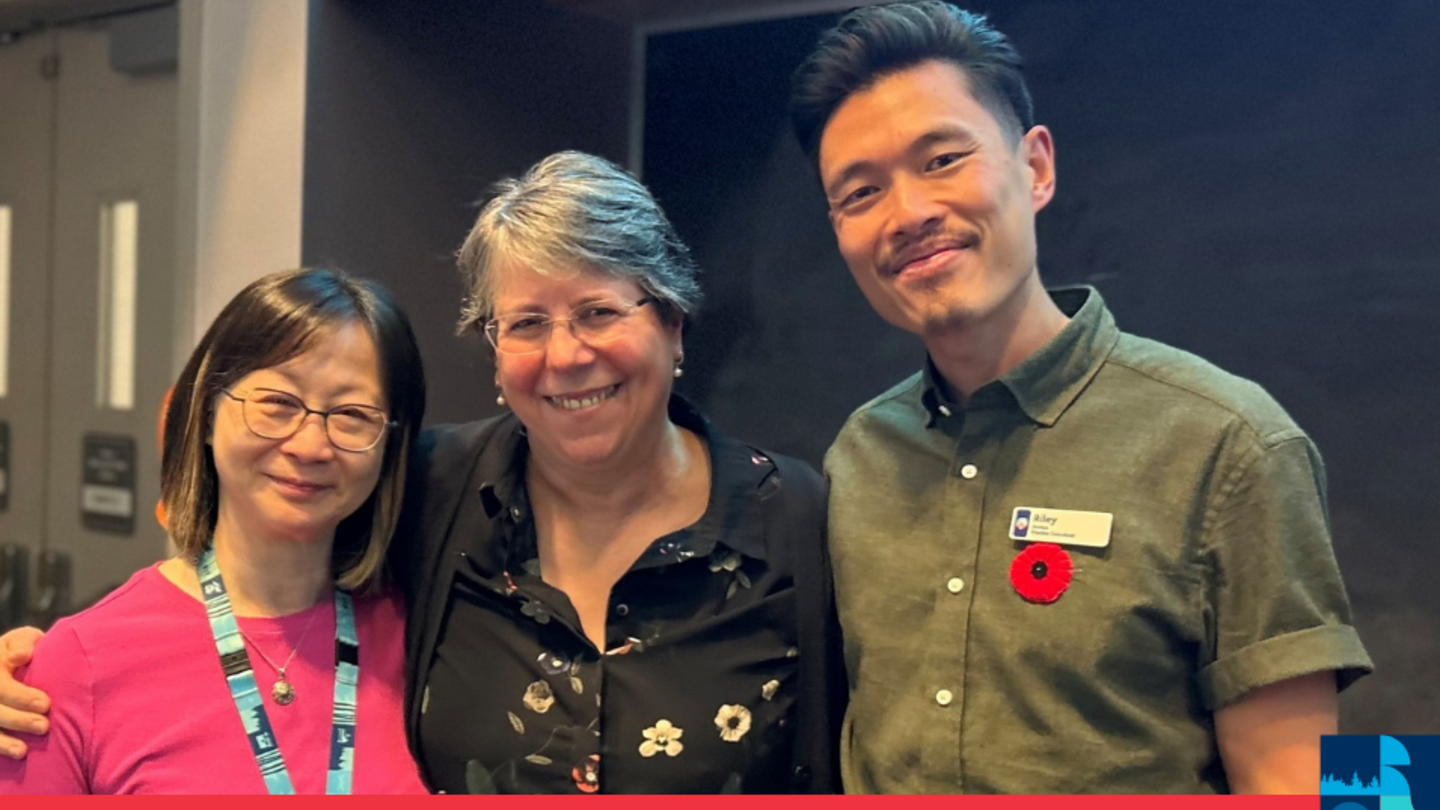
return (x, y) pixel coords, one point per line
(573, 210)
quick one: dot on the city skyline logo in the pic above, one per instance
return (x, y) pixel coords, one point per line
(1379, 772)
(1021, 526)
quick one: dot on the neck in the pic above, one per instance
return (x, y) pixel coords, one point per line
(273, 578)
(643, 475)
(971, 354)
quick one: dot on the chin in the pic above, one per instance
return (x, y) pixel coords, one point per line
(589, 450)
(947, 318)
(303, 529)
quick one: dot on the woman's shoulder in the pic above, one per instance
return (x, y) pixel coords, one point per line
(383, 608)
(449, 444)
(102, 637)
(789, 477)
(127, 605)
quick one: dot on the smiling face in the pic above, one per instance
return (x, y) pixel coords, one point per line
(586, 404)
(932, 203)
(298, 489)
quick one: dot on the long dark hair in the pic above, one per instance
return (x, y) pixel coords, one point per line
(269, 322)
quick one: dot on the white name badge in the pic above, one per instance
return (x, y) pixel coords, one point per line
(1061, 526)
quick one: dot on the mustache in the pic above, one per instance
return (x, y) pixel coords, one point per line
(901, 252)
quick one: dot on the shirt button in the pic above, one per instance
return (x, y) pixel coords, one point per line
(969, 471)
(515, 512)
(622, 609)
(944, 410)
(943, 697)
(955, 585)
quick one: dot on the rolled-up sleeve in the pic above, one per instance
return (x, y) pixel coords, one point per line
(1275, 603)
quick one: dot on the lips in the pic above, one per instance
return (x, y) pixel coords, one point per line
(580, 400)
(926, 255)
(298, 487)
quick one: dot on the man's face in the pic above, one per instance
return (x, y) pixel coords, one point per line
(932, 203)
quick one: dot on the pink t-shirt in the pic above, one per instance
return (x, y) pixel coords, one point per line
(140, 704)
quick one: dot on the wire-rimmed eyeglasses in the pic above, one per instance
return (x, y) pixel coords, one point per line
(593, 323)
(272, 414)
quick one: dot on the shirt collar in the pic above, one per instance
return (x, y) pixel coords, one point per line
(1047, 382)
(740, 478)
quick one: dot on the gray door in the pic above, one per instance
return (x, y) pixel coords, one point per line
(26, 184)
(97, 303)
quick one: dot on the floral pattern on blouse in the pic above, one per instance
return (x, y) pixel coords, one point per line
(662, 737)
(700, 633)
(733, 722)
(587, 774)
(539, 697)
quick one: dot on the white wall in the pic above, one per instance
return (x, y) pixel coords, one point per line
(242, 133)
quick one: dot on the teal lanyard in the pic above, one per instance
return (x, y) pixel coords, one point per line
(241, 677)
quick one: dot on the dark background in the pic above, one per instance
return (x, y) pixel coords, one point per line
(1254, 182)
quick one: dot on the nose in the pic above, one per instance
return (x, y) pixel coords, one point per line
(564, 349)
(913, 208)
(310, 442)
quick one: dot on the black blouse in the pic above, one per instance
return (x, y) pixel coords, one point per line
(699, 687)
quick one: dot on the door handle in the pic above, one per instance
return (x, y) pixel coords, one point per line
(52, 581)
(14, 586)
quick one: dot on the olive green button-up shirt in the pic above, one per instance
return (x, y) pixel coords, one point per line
(1218, 576)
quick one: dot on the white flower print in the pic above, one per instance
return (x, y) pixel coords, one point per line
(663, 737)
(539, 697)
(733, 722)
(728, 562)
(769, 689)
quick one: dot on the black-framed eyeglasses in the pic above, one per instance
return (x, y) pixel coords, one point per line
(272, 414)
(593, 323)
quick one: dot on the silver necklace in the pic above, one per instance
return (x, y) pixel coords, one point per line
(282, 692)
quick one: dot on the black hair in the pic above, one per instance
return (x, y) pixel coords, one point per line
(871, 43)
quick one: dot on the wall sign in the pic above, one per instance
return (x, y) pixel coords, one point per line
(107, 484)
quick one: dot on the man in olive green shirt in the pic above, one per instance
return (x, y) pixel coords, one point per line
(1067, 559)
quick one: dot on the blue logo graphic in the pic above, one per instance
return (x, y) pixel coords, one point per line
(1379, 772)
(1022, 523)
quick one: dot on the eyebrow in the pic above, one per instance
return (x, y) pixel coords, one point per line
(531, 308)
(346, 391)
(940, 134)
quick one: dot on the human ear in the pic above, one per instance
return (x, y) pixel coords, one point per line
(1038, 150)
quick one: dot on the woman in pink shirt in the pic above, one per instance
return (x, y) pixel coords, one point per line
(266, 657)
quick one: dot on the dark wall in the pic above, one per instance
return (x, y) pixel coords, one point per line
(1253, 182)
(413, 111)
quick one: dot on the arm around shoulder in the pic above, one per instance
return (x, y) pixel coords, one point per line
(22, 708)
(57, 762)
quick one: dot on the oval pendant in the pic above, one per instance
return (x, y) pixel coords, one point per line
(282, 693)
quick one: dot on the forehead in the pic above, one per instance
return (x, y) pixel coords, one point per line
(518, 286)
(342, 354)
(900, 109)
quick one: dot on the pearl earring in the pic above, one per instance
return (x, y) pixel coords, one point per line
(500, 400)
(679, 372)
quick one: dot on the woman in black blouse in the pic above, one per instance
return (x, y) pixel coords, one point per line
(605, 593)
(609, 594)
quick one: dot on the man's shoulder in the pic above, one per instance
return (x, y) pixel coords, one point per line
(893, 419)
(898, 404)
(1161, 374)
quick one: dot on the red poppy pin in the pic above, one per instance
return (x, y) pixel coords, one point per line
(1041, 572)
